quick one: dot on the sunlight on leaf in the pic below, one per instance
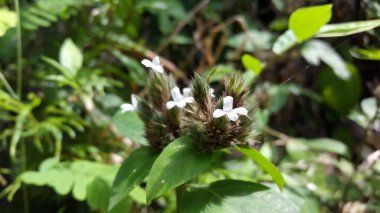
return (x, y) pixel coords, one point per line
(264, 164)
(305, 22)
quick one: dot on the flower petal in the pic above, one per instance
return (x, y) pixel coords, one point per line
(134, 101)
(228, 103)
(158, 68)
(218, 113)
(147, 63)
(170, 104)
(233, 116)
(156, 60)
(186, 92)
(127, 107)
(176, 94)
(188, 100)
(241, 111)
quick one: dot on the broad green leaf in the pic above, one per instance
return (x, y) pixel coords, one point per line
(348, 28)
(333, 88)
(8, 19)
(278, 95)
(98, 192)
(131, 126)
(305, 22)
(315, 51)
(253, 64)
(284, 42)
(369, 107)
(321, 144)
(178, 163)
(70, 57)
(250, 40)
(366, 54)
(264, 164)
(131, 173)
(233, 196)
(262, 118)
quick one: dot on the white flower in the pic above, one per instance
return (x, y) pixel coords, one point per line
(232, 114)
(186, 92)
(130, 107)
(178, 100)
(211, 92)
(154, 64)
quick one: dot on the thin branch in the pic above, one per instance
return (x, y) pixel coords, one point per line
(180, 25)
(8, 86)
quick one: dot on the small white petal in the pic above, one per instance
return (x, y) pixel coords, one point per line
(170, 104)
(188, 100)
(211, 92)
(156, 60)
(134, 101)
(158, 68)
(127, 107)
(147, 63)
(186, 92)
(228, 103)
(233, 116)
(218, 113)
(176, 94)
(241, 111)
(181, 104)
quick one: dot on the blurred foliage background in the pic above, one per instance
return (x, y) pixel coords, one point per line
(81, 61)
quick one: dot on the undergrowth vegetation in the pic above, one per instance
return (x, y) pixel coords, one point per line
(189, 106)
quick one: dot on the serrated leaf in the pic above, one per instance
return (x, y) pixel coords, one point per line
(133, 170)
(264, 164)
(70, 57)
(131, 126)
(347, 28)
(305, 22)
(284, 42)
(232, 196)
(178, 163)
(315, 51)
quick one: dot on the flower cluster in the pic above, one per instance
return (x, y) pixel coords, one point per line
(168, 113)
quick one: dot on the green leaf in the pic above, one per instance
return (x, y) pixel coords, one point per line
(253, 64)
(284, 42)
(131, 126)
(348, 28)
(264, 164)
(262, 118)
(321, 144)
(305, 22)
(179, 162)
(333, 89)
(248, 41)
(98, 192)
(315, 51)
(70, 57)
(369, 107)
(8, 19)
(366, 54)
(278, 95)
(232, 196)
(133, 170)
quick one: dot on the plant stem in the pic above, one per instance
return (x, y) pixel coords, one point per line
(19, 49)
(8, 86)
(19, 91)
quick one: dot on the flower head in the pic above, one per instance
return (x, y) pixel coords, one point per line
(130, 107)
(232, 114)
(178, 99)
(154, 64)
